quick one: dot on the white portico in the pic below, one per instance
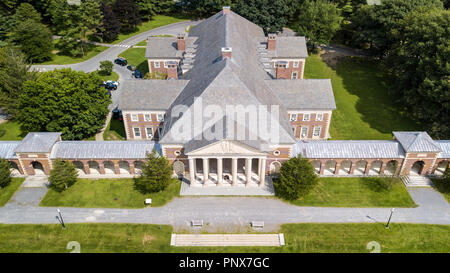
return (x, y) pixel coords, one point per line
(227, 163)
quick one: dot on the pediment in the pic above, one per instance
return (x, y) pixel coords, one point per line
(227, 147)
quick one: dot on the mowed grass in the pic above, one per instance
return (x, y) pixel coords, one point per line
(157, 21)
(443, 187)
(60, 58)
(113, 77)
(11, 131)
(300, 238)
(136, 57)
(365, 109)
(7, 192)
(107, 193)
(357, 192)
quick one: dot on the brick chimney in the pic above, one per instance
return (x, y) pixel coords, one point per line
(271, 41)
(226, 52)
(181, 42)
(282, 71)
(172, 70)
(226, 10)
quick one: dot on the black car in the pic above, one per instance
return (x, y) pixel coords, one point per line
(121, 61)
(117, 114)
(137, 74)
(110, 86)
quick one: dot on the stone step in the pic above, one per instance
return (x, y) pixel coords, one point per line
(227, 239)
(416, 181)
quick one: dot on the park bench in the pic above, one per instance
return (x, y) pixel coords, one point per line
(148, 201)
(257, 224)
(197, 223)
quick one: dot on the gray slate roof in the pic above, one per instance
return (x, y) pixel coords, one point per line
(7, 149)
(349, 149)
(41, 142)
(149, 94)
(289, 47)
(444, 145)
(102, 149)
(304, 94)
(416, 142)
(165, 47)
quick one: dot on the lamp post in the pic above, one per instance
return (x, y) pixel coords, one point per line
(389, 220)
(61, 219)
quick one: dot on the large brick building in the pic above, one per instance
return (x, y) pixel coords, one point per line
(226, 62)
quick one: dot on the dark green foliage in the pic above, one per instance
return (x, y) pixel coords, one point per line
(127, 14)
(63, 175)
(297, 178)
(106, 67)
(34, 40)
(149, 8)
(318, 21)
(26, 12)
(110, 26)
(5, 173)
(64, 101)
(14, 71)
(206, 8)
(156, 174)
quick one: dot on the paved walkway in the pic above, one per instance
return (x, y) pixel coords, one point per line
(225, 214)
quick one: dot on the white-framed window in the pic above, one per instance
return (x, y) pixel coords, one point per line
(304, 132)
(293, 117)
(134, 117)
(316, 131)
(166, 64)
(137, 132)
(147, 117)
(296, 63)
(294, 75)
(319, 117)
(149, 132)
(305, 117)
(157, 64)
(160, 117)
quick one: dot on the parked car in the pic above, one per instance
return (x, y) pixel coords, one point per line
(121, 61)
(117, 114)
(137, 74)
(131, 67)
(111, 85)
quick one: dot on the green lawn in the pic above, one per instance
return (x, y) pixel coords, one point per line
(443, 187)
(157, 21)
(8, 191)
(357, 192)
(10, 130)
(136, 57)
(300, 238)
(115, 130)
(67, 59)
(364, 108)
(107, 193)
(113, 77)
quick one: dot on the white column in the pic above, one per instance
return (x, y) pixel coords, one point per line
(248, 170)
(192, 169)
(234, 171)
(205, 171)
(262, 172)
(219, 172)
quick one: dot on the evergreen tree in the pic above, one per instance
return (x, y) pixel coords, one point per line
(110, 26)
(34, 40)
(156, 174)
(127, 14)
(25, 12)
(63, 175)
(297, 178)
(5, 173)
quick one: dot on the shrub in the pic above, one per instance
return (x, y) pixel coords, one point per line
(297, 178)
(63, 175)
(155, 76)
(5, 173)
(156, 174)
(106, 68)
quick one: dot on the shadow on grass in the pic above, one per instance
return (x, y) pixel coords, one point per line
(376, 184)
(442, 185)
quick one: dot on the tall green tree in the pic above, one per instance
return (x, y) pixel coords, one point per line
(64, 101)
(25, 12)
(5, 173)
(318, 21)
(271, 15)
(14, 71)
(127, 13)
(373, 24)
(297, 178)
(420, 64)
(156, 174)
(63, 175)
(206, 8)
(34, 40)
(110, 26)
